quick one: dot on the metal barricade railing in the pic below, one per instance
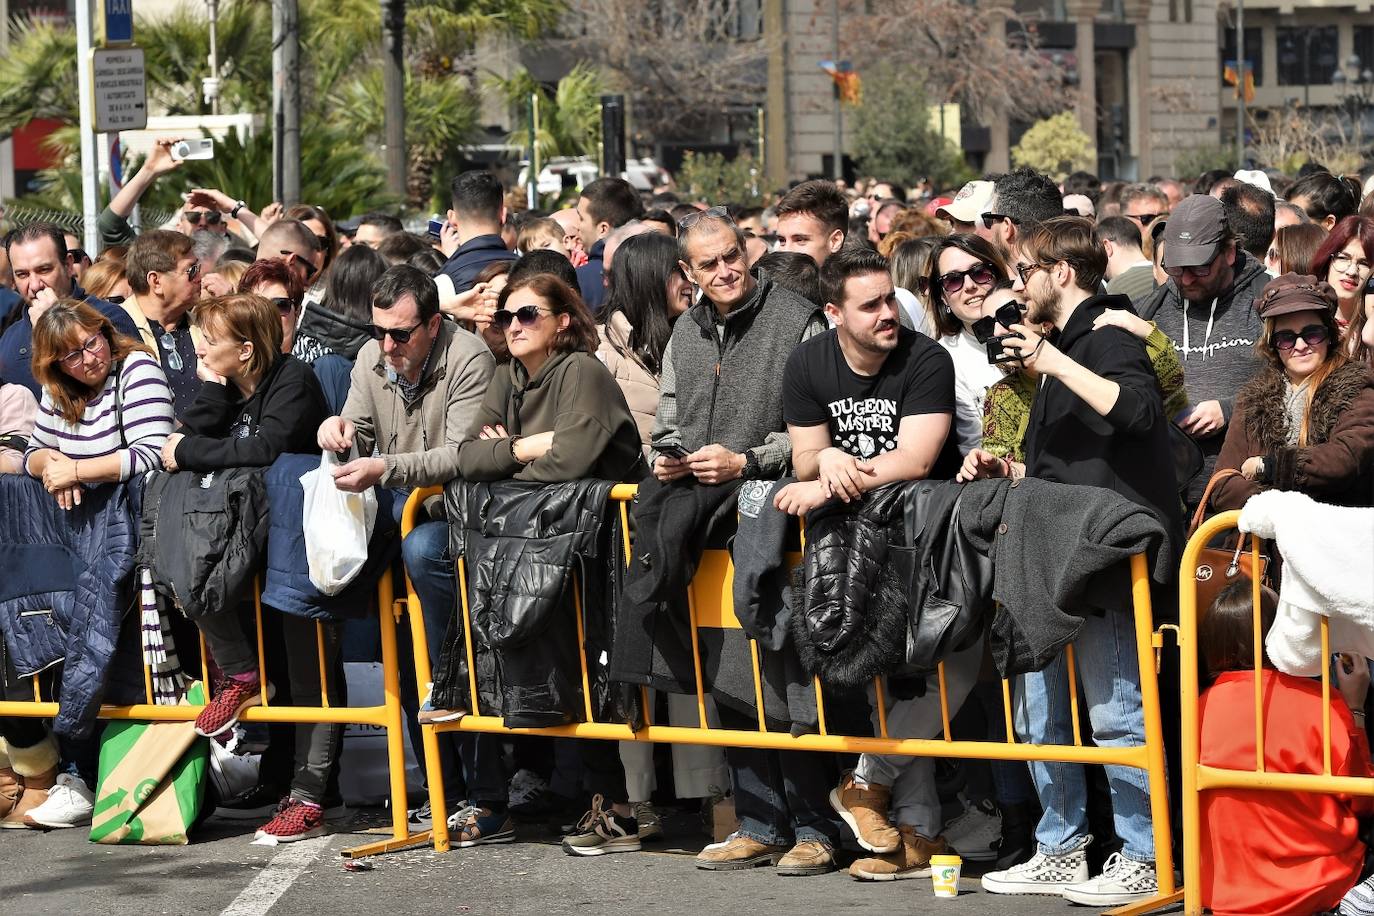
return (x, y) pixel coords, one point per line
(386, 716)
(710, 605)
(1198, 778)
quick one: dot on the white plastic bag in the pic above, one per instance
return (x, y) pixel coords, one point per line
(338, 526)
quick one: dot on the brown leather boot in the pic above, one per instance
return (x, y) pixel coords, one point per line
(35, 793)
(11, 787)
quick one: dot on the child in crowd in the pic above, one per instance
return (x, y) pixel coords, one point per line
(1278, 852)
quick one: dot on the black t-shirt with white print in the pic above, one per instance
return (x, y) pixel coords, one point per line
(864, 412)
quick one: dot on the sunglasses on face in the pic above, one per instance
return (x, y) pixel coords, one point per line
(90, 345)
(526, 315)
(398, 335)
(991, 219)
(1201, 272)
(114, 300)
(294, 258)
(1146, 218)
(980, 274)
(1007, 314)
(287, 306)
(1313, 335)
(193, 217)
(193, 271)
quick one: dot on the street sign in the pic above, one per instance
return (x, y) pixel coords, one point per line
(121, 89)
(118, 21)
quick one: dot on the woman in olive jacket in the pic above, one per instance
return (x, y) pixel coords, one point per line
(1306, 421)
(554, 412)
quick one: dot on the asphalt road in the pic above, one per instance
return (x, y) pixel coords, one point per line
(61, 873)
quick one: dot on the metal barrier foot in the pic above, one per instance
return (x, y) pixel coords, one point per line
(1140, 907)
(388, 845)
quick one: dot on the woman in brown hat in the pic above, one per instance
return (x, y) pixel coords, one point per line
(1306, 421)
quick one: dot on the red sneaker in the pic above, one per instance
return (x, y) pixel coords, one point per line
(231, 698)
(295, 820)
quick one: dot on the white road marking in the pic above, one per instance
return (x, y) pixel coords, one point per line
(276, 879)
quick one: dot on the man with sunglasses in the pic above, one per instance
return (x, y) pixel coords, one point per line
(1098, 420)
(415, 390)
(1142, 204)
(291, 242)
(41, 267)
(164, 278)
(1021, 201)
(1208, 310)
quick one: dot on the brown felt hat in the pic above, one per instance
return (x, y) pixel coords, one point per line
(1295, 293)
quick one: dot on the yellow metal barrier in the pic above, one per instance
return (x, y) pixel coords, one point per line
(386, 716)
(710, 605)
(1198, 778)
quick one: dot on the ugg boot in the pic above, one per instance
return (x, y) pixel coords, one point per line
(36, 769)
(11, 787)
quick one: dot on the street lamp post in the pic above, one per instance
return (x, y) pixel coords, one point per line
(1355, 87)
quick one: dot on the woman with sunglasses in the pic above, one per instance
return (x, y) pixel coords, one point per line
(279, 285)
(1306, 421)
(963, 270)
(1346, 260)
(647, 294)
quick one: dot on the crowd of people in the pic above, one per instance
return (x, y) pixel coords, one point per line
(744, 366)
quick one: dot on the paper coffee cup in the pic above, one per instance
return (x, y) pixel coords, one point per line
(944, 873)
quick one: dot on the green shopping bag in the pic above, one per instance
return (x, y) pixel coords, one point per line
(151, 784)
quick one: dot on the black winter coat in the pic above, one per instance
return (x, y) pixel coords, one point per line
(204, 537)
(522, 543)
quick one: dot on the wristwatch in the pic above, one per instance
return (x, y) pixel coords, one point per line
(238, 205)
(751, 470)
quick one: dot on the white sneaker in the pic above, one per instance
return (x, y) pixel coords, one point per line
(525, 787)
(1043, 874)
(70, 804)
(976, 833)
(232, 775)
(1122, 881)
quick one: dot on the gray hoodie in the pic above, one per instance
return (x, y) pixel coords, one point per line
(1215, 342)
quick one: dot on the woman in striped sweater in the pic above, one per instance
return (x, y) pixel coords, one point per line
(106, 407)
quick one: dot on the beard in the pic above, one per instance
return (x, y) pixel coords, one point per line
(1044, 308)
(874, 343)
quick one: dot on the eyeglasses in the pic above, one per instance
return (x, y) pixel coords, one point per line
(398, 335)
(526, 315)
(91, 345)
(1343, 262)
(1008, 314)
(981, 275)
(1313, 335)
(292, 257)
(691, 219)
(193, 270)
(193, 217)
(1144, 218)
(169, 343)
(1201, 272)
(287, 306)
(990, 219)
(1026, 271)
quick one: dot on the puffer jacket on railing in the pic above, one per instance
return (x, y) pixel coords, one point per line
(64, 587)
(522, 543)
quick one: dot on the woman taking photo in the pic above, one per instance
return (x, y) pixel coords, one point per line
(648, 292)
(553, 414)
(256, 404)
(1346, 260)
(1306, 421)
(963, 270)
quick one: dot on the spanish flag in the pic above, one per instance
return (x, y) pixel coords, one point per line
(1228, 76)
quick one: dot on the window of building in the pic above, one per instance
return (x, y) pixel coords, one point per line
(1308, 55)
(1364, 46)
(1254, 51)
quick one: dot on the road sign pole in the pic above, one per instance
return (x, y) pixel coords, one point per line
(86, 106)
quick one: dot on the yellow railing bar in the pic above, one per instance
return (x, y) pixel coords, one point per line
(1073, 694)
(324, 678)
(881, 701)
(257, 626)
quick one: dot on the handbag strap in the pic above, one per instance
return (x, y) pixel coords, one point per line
(1201, 512)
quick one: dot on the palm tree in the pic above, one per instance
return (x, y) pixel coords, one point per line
(569, 117)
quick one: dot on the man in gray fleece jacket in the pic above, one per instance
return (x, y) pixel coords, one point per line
(415, 390)
(1207, 310)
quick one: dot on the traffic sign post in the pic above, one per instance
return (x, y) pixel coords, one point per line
(120, 89)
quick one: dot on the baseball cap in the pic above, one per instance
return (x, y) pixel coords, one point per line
(1255, 177)
(1194, 231)
(1295, 293)
(969, 204)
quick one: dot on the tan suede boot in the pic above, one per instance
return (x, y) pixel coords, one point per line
(11, 787)
(35, 793)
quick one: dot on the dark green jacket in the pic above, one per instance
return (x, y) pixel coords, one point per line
(573, 394)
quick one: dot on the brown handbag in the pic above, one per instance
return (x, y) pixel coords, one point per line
(1218, 567)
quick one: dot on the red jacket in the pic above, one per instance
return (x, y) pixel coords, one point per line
(1279, 852)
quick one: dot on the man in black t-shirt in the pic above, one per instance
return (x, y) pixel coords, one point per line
(867, 402)
(870, 403)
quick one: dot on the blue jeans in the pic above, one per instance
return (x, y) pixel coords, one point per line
(434, 575)
(1105, 658)
(781, 797)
